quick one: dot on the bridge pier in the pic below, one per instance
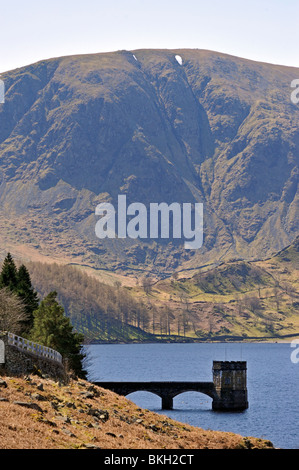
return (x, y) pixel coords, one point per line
(167, 402)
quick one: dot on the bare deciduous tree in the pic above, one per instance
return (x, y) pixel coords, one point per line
(146, 284)
(253, 303)
(12, 312)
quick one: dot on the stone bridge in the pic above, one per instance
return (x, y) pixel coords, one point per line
(228, 389)
(165, 390)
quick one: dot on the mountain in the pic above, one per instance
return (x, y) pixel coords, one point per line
(156, 126)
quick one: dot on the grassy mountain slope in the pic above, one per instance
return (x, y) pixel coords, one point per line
(76, 131)
(234, 301)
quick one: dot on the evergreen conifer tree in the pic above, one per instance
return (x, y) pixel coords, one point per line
(9, 274)
(27, 294)
(53, 329)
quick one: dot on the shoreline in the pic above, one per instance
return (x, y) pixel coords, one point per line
(286, 339)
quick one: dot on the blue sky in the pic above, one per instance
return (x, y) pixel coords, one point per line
(264, 30)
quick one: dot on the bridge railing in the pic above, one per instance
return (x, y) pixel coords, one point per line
(34, 348)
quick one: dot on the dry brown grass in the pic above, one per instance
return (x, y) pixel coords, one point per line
(66, 420)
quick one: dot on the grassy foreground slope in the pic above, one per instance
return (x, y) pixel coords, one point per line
(37, 413)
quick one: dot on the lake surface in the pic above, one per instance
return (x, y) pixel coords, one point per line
(272, 384)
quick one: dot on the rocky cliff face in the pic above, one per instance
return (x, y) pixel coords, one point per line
(201, 127)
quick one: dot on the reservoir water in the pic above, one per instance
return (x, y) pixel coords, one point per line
(272, 384)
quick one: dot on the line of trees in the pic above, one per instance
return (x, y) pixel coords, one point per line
(98, 310)
(22, 313)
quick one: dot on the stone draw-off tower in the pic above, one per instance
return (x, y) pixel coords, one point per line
(229, 379)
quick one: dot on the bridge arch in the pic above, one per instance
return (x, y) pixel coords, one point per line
(192, 400)
(208, 393)
(145, 398)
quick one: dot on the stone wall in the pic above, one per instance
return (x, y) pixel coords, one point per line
(18, 362)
